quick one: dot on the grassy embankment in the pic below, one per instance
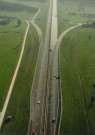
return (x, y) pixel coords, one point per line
(77, 60)
(71, 12)
(19, 105)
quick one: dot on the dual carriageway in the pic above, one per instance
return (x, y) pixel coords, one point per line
(45, 116)
(45, 97)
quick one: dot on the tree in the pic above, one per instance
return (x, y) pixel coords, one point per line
(19, 22)
(89, 36)
(93, 24)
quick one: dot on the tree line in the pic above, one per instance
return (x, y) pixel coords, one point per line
(16, 7)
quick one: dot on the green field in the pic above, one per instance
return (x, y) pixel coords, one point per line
(77, 60)
(11, 38)
(19, 10)
(42, 16)
(40, 19)
(19, 105)
(71, 12)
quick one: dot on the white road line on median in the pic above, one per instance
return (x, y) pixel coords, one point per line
(13, 80)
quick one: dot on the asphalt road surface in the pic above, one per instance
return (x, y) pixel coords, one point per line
(39, 85)
(45, 98)
(52, 102)
(45, 82)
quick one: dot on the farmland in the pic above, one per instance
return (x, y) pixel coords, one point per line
(13, 16)
(72, 12)
(11, 38)
(77, 56)
(19, 105)
(40, 19)
(16, 7)
(77, 60)
(18, 10)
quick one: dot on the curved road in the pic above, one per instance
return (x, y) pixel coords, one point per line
(39, 86)
(65, 32)
(34, 90)
(57, 81)
(46, 80)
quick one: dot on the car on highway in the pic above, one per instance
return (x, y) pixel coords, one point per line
(58, 77)
(53, 120)
(38, 102)
(33, 132)
(50, 96)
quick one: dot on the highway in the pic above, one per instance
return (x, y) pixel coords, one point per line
(52, 102)
(45, 82)
(45, 97)
(39, 86)
(53, 109)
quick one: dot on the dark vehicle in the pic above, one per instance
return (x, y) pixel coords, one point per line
(53, 120)
(58, 77)
(50, 95)
(7, 119)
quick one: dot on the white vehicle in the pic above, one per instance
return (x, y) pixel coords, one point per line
(38, 102)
